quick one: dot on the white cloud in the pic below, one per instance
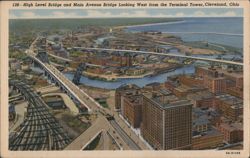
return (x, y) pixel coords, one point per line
(141, 13)
(199, 14)
(28, 14)
(125, 14)
(225, 14)
(59, 14)
(230, 13)
(107, 13)
(97, 14)
(24, 15)
(179, 14)
(12, 16)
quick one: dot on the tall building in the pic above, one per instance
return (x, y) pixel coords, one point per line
(218, 80)
(204, 71)
(166, 123)
(124, 59)
(230, 106)
(215, 84)
(122, 91)
(132, 110)
(233, 133)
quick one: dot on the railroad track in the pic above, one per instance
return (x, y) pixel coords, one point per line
(40, 130)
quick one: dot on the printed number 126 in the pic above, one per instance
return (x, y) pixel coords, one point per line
(15, 4)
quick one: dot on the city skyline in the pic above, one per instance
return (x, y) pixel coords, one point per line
(113, 87)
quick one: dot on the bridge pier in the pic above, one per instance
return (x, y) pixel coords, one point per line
(78, 73)
(52, 77)
(35, 64)
(53, 81)
(61, 88)
(45, 73)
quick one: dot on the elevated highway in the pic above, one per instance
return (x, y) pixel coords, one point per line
(71, 89)
(164, 54)
(64, 83)
(77, 94)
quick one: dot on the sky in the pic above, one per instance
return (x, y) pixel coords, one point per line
(123, 13)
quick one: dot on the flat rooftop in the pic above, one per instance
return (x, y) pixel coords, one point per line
(235, 74)
(168, 101)
(177, 104)
(185, 88)
(232, 127)
(209, 133)
(200, 95)
(235, 102)
(136, 99)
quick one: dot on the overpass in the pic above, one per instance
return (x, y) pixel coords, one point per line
(101, 124)
(170, 55)
(86, 137)
(59, 58)
(64, 83)
(78, 95)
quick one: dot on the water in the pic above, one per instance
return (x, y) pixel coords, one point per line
(229, 30)
(138, 81)
(214, 30)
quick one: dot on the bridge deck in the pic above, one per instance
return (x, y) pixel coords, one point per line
(171, 55)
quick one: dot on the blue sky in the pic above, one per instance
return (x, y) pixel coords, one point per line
(116, 13)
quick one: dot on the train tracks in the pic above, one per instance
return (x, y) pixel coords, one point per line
(40, 130)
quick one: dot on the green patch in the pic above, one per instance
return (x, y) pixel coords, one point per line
(94, 143)
(76, 54)
(75, 123)
(103, 103)
(18, 55)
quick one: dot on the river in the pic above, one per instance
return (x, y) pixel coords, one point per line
(138, 81)
(214, 30)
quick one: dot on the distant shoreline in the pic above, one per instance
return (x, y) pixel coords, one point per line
(106, 22)
(159, 23)
(149, 24)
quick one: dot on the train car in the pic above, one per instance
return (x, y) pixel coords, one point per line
(12, 112)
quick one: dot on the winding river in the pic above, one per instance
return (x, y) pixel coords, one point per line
(208, 29)
(138, 81)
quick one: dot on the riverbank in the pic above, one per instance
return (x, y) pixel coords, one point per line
(141, 82)
(87, 88)
(169, 69)
(114, 77)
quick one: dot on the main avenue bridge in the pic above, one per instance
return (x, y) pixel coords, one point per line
(71, 88)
